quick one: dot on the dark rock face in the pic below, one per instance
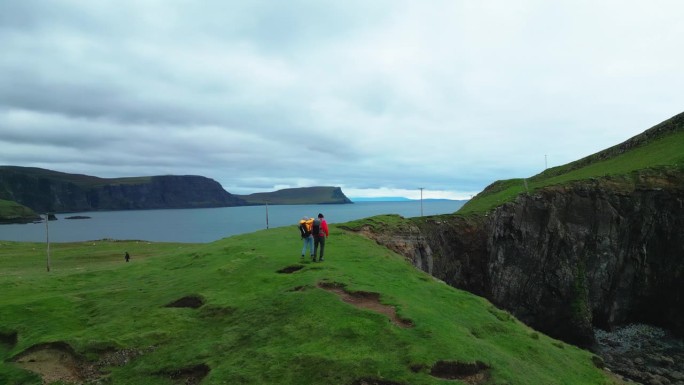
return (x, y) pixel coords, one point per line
(163, 192)
(339, 197)
(49, 194)
(594, 253)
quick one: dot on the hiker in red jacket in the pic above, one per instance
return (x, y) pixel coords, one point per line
(320, 232)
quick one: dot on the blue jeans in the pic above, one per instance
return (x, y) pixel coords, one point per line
(308, 243)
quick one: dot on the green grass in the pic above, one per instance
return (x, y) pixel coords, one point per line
(661, 153)
(258, 326)
(10, 210)
(380, 223)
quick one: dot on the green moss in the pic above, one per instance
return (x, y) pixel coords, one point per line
(580, 303)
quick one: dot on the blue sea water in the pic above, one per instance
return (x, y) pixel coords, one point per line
(205, 225)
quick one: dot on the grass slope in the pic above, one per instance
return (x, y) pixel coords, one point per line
(259, 326)
(661, 147)
(12, 212)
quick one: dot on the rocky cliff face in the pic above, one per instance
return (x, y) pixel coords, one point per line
(593, 253)
(167, 191)
(48, 194)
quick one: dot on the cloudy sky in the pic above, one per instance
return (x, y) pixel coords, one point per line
(378, 97)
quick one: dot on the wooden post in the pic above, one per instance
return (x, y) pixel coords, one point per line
(266, 215)
(47, 239)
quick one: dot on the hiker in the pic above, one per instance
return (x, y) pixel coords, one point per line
(320, 232)
(127, 256)
(305, 228)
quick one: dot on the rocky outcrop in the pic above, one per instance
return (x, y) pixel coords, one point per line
(48, 191)
(643, 353)
(600, 253)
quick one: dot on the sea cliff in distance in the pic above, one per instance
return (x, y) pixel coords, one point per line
(299, 196)
(41, 190)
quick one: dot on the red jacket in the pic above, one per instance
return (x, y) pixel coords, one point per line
(324, 228)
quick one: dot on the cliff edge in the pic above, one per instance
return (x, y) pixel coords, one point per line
(596, 243)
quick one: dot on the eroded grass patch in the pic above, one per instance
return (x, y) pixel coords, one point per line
(366, 300)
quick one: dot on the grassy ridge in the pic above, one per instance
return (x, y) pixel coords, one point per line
(662, 151)
(85, 181)
(13, 211)
(258, 326)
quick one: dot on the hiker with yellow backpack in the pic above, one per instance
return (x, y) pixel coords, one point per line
(305, 229)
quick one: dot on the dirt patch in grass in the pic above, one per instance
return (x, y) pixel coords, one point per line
(290, 269)
(58, 362)
(191, 375)
(9, 339)
(473, 373)
(191, 301)
(366, 300)
(54, 362)
(375, 381)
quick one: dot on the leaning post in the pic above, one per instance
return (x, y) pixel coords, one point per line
(47, 239)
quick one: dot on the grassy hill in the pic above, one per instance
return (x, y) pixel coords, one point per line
(659, 148)
(51, 191)
(14, 212)
(246, 310)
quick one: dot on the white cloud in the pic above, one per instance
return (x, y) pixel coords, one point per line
(376, 97)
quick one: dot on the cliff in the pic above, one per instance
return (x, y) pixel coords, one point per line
(50, 191)
(299, 196)
(596, 243)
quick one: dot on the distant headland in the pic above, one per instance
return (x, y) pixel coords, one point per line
(26, 191)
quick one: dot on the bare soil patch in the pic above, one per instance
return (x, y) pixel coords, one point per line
(473, 373)
(52, 361)
(366, 300)
(9, 338)
(191, 375)
(375, 381)
(290, 269)
(191, 301)
(57, 361)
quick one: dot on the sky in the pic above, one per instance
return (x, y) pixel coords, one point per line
(378, 97)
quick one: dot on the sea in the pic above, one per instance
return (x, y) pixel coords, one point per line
(206, 225)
